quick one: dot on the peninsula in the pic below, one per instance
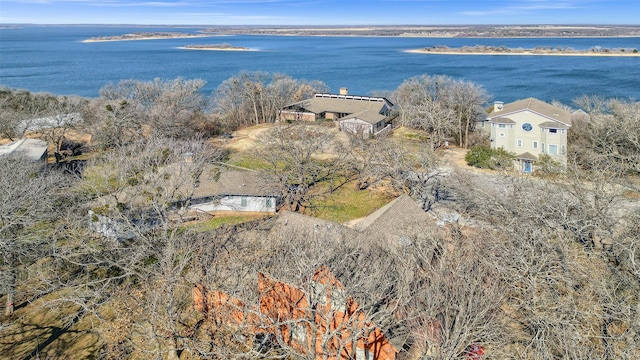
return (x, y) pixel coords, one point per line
(218, 47)
(540, 50)
(145, 36)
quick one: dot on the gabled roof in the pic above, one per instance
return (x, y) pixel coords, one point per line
(554, 125)
(344, 104)
(294, 223)
(527, 156)
(533, 105)
(401, 218)
(503, 120)
(233, 182)
(369, 116)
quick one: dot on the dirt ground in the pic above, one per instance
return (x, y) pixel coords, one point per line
(245, 139)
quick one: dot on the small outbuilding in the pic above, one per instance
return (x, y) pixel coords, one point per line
(29, 149)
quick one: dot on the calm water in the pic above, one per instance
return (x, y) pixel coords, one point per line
(53, 59)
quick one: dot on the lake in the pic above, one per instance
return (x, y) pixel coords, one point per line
(54, 59)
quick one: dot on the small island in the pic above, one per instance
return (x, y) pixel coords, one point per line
(540, 50)
(219, 47)
(145, 36)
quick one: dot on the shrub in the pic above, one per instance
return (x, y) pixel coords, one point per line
(547, 166)
(478, 156)
(487, 158)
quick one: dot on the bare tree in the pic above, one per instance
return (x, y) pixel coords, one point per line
(302, 156)
(113, 123)
(609, 137)
(445, 107)
(168, 108)
(51, 117)
(254, 98)
(18, 106)
(553, 242)
(29, 201)
(137, 197)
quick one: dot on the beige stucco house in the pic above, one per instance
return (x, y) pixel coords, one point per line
(364, 115)
(529, 128)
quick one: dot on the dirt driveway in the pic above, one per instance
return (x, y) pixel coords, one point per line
(245, 139)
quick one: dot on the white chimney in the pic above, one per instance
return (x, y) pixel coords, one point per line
(344, 91)
(497, 106)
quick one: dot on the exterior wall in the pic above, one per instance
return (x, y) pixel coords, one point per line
(559, 139)
(531, 141)
(296, 116)
(330, 116)
(503, 136)
(239, 203)
(356, 126)
(484, 127)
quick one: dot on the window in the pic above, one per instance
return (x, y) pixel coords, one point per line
(542, 148)
(561, 131)
(501, 134)
(519, 142)
(502, 126)
(527, 127)
(243, 201)
(553, 149)
(535, 144)
(268, 204)
(553, 131)
(563, 150)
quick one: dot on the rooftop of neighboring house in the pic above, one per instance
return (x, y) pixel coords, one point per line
(370, 116)
(501, 111)
(293, 223)
(343, 104)
(215, 181)
(398, 221)
(31, 149)
(48, 122)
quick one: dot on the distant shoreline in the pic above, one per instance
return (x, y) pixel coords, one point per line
(145, 36)
(480, 50)
(215, 47)
(428, 32)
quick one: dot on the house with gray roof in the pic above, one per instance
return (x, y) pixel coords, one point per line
(363, 115)
(530, 128)
(234, 190)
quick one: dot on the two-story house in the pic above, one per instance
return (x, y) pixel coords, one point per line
(529, 128)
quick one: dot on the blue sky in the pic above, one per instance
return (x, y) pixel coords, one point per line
(320, 12)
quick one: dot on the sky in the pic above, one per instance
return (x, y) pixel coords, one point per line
(320, 12)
